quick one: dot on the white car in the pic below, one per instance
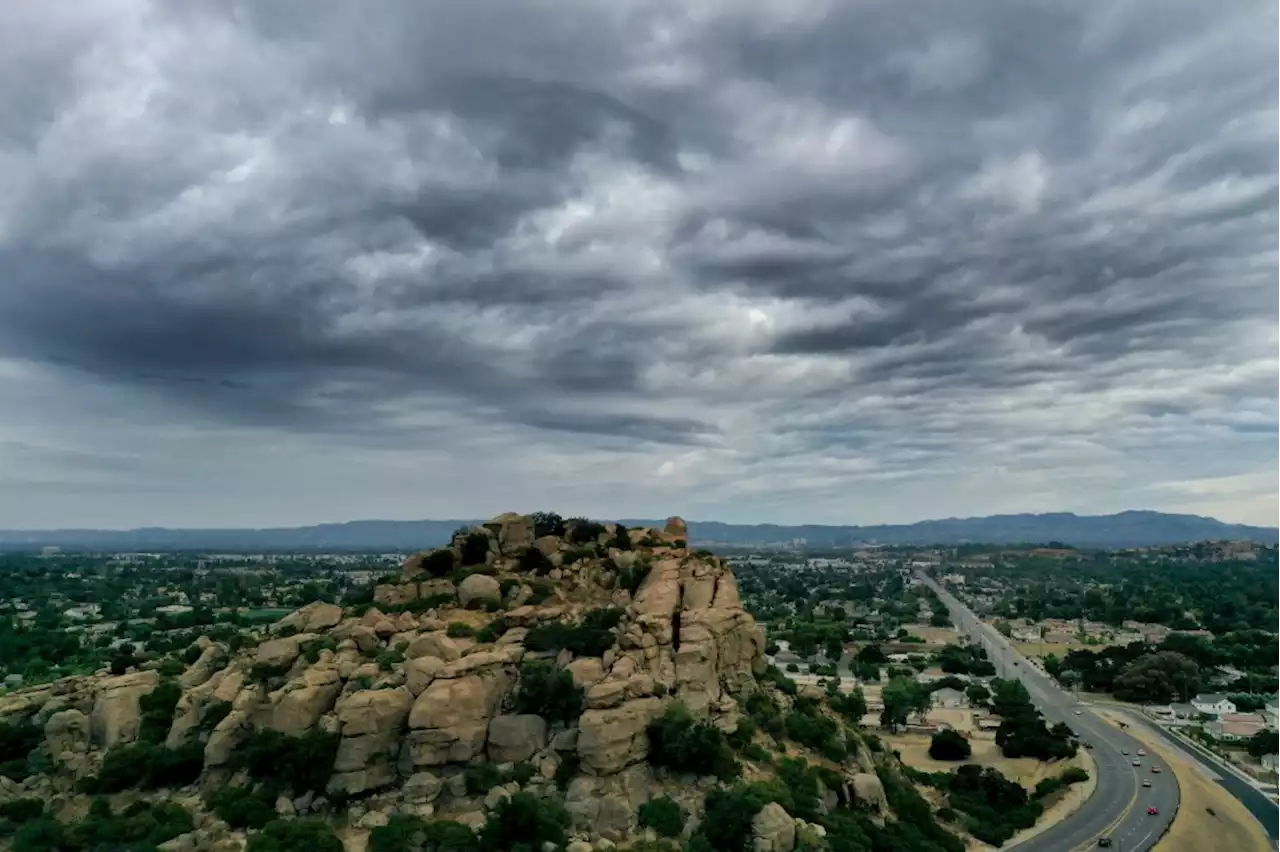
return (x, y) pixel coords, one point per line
(1079, 712)
(1141, 753)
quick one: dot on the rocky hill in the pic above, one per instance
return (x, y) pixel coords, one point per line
(535, 685)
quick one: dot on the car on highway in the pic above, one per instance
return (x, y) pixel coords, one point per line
(1079, 712)
(1146, 783)
(1142, 753)
(1155, 769)
(1153, 811)
(1124, 751)
(1104, 841)
(1137, 762)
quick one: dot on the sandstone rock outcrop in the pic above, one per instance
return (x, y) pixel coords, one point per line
(116, 714)
(427, 700)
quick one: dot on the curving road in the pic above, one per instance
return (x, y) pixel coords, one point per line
(1118, 807)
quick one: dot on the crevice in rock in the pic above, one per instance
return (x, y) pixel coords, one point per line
(675, 621)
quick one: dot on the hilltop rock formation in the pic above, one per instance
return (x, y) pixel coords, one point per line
(531, 652)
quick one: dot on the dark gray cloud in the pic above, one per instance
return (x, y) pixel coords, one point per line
(290, 261)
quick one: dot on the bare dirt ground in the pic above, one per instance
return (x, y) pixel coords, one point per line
(1040, 650)
(1194, 829)
(935, 635)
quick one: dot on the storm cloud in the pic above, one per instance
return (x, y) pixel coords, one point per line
(792, 260)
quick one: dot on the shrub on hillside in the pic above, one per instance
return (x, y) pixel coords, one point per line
(534, 561)
(548, 692)
(157, 711)
(280, 762)
(663, 815)
(145, 766)
(474, 547)
(295, 835)
(439, 563)
(949, 745)
(524, 821)
(413, 834)
(243, 807)
(684, 744)
(547, 523)
(807, 726)
(591, 638)
(141, 826)
(583, 531)
(17, 740)
(621, 538)
(631, 578)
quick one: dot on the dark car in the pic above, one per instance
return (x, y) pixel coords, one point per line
(1104, 841)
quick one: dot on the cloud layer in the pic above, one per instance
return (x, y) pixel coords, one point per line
(283, 262)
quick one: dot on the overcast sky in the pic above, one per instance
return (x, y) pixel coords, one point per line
(283, 262)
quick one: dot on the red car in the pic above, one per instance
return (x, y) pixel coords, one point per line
(1153, 811)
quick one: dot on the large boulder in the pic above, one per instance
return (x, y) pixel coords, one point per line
(300, 704)
(419, 672)
(281, 652)
(868, 792)
(513, 532)
(479, 588)
(371, 723)
(773, 830)
(116, 716)
(67, 731)
(312, 618)
(449, 721)
(514, 739)
(613, 738)
(434, 644)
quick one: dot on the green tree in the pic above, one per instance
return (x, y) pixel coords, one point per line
(949, 745)
(1158, 678)
(1263, 743)
(901, 697)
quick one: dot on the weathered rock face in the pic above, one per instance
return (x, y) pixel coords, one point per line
(450, 719)
(67, 731)
(614, 738)
(412, 706)
(479, 588)
(513, 533)
(301, 703)
(513, 739)
(773, 829)
(372, 723)
(116, 715)
(312, 618)
(868, 792)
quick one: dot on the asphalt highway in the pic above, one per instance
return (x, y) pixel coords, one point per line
(1118, 807)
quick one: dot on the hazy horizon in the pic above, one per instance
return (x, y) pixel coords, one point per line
(803, 260)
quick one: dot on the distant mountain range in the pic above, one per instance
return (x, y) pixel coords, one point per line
(1126, 529)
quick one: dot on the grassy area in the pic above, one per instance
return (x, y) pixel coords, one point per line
(1042, 649)
(934, 635)
(1195, 829)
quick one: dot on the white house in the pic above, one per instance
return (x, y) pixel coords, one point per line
(1272, 712)
(1213, 703)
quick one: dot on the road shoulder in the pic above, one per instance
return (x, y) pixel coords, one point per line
(1209, 817)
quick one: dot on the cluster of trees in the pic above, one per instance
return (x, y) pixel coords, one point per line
(1111, 587)
(140, 827)
(970, 660)
(688, 745)
(1022, 731)
(590, 638)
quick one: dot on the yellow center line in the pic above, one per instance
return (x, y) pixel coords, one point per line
(1112, 827)
(1137, 789)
